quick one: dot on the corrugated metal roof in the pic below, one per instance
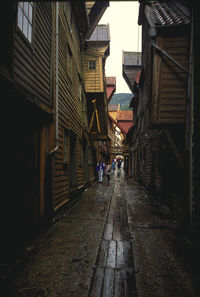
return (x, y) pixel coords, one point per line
(132, 58)
(101, 33)
(167, 13)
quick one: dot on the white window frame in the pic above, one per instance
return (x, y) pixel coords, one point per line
(25, 19)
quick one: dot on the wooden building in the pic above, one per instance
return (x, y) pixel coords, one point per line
(131, 66)
(110, 90)
(110, 87)
(160, 104)
(97, 50)
(46, 156)
(26, 88)
(74, 156)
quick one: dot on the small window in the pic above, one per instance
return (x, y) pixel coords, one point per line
(92, 65)
(25, 18)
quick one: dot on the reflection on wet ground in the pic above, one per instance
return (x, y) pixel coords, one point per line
(110, 243)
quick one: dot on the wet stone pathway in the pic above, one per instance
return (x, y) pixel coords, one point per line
(109, 243)
(114, 274)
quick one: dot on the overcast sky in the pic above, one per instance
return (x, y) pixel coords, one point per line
(122, 17)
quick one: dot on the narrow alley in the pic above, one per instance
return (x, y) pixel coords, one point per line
(92, 90)
(109, 243)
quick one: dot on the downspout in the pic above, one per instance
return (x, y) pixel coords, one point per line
(190, 126)
(56, 98)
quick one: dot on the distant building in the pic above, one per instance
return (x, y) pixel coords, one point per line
(125, 119)
(110, 87)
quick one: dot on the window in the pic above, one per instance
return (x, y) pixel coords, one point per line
(92, 65)
(25, 18)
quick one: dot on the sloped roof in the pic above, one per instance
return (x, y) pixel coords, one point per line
(112, 107)
(124, 115)
(167, 13)
(131, 64)
(111, 80)
(125, 126)
(95, 11)
(132, 58)
(137, 77)
(101, 33)
(117, 124)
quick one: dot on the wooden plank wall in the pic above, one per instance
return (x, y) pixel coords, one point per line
(32, 62)
(72, 107)
(93, 77)
(173, 81)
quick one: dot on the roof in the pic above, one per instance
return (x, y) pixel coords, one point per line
(101, 33)
(95, 11)
(125, 126)
(117, 124)
(167, 13)
(132, 58)
(111, 80)
(113, 107)
(137, 77)
(124, 115)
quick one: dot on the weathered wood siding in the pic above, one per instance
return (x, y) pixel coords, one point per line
(32, 61)
(93, 78)
(171, 82)
(72, 108)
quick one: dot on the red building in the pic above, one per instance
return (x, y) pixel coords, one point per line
(110, 86)
(125, 119)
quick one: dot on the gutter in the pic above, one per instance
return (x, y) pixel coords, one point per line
(56, 99)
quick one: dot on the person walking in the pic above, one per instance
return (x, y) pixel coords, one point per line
(108, 171)
(100, 170)
(113, 166)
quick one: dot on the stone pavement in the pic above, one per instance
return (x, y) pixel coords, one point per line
(110, 243)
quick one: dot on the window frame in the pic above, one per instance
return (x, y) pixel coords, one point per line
(92, 63)
(25, 16)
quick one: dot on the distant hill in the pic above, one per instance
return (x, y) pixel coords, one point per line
(123, 99)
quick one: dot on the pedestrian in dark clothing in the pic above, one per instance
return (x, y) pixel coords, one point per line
(100, 169)
(108, 171)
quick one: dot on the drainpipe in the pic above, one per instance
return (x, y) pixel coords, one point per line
(56, 99)
(190, 126)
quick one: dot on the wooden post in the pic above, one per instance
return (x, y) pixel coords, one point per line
(95, 112)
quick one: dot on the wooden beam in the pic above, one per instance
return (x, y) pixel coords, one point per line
(174, 148)
(95, 112)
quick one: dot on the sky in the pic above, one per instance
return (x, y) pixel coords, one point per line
(122, 17)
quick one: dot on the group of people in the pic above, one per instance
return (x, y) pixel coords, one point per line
(107, 169)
